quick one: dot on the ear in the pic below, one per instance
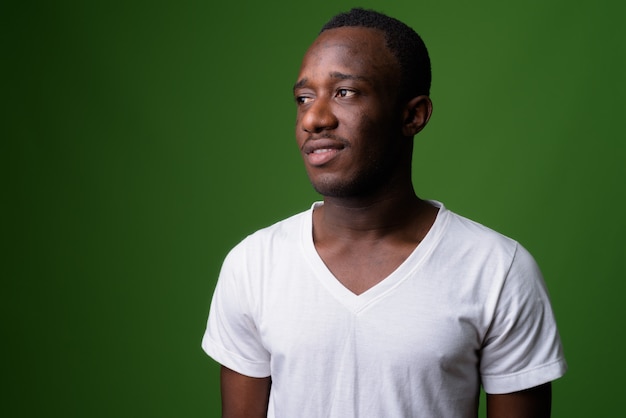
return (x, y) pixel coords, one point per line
(416, 115)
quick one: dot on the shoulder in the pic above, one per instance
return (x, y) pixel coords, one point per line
(278, 236)
(250, 264)
(474, 246)
(463, 232)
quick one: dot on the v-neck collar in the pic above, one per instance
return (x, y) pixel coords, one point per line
(350, 300)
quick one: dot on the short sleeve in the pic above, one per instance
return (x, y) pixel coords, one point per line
(522, 348)
(232, 337)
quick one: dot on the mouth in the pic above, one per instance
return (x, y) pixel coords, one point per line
(318, 152)
(321, 156)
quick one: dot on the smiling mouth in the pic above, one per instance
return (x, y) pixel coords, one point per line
(321, 156)
(322, 150)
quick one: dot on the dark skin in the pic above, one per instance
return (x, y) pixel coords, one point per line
(531, 403)
(244, 396)
(356, 139)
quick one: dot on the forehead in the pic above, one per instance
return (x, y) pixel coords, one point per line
(353, 49)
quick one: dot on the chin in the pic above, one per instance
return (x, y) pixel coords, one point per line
(343, 188)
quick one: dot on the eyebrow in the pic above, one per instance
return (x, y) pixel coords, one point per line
(334, 74)
(343, 76)
(301, 83)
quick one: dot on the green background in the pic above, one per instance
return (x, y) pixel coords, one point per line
(142, 140)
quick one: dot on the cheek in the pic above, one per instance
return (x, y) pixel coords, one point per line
(299, 133)
(300, 137)
(373, 130)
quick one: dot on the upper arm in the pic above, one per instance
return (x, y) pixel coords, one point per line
(244, 396)
(530, 403)
(521, 347)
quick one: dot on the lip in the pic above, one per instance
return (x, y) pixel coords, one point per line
(318, 152)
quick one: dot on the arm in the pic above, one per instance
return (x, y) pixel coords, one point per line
(243, 396)
(530, 403)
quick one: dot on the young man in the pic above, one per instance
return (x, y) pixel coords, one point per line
(375, 303)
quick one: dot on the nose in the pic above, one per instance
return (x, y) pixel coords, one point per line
(318, 116)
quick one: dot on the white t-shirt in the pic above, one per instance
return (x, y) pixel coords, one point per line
(468, 306)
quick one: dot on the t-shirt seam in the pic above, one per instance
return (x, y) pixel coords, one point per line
(525, 371)
(236, 356)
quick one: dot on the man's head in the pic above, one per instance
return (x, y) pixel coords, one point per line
(355, 122)
(403, 42)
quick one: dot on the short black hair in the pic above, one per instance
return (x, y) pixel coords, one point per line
(403, 42)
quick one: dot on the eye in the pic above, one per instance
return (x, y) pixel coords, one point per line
(303, 99)
(345, 93)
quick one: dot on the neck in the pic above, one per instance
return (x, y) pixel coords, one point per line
(370, 217)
